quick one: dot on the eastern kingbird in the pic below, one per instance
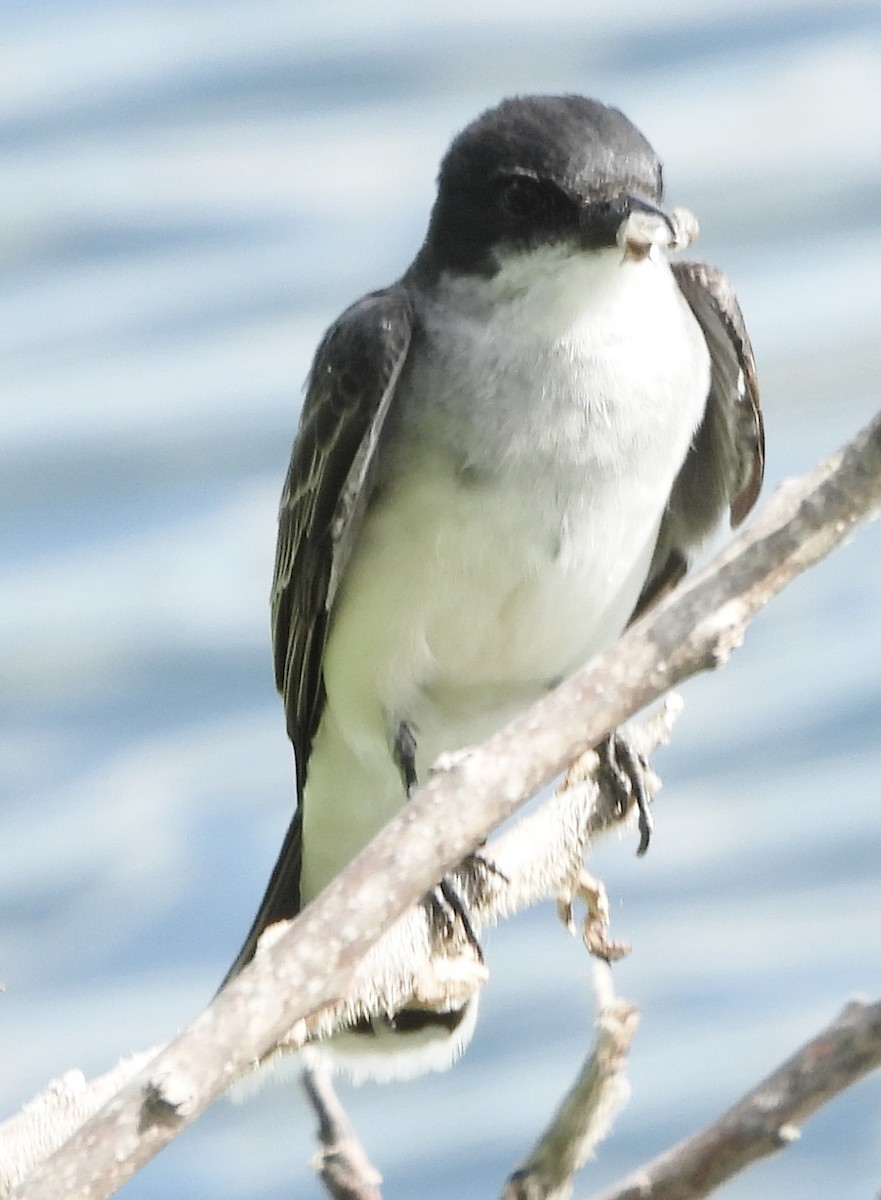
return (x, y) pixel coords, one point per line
(501, 458)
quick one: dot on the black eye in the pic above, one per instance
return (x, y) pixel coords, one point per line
(522, 199)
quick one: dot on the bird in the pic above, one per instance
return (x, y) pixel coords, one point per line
(501, 459)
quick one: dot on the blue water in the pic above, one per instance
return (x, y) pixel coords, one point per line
(189, 193)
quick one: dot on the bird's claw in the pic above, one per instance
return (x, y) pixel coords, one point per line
(626, 770)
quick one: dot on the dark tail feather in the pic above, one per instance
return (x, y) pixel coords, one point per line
(281, 901)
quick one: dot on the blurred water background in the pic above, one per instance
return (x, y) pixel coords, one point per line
(190, 192)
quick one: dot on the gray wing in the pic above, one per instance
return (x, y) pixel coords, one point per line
(725, 464)
(349, 392)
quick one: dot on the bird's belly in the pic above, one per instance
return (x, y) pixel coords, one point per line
(516, 597)
(524, 480)
(462, 605)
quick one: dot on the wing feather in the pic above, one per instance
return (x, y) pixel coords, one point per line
(725, 464)
(350, 389)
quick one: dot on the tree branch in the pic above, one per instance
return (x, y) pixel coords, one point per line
(765, 1120)
(342, 1162)
(586, 1114)
(538, 858)
(580, 1123)
(55, 1114)
(312, 966)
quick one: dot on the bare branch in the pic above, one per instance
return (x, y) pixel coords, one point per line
(539, 858)
(543, 854)
(766, 1119)
(587, 1112)
(48, 1120)
(312, 966)
(342, 1162)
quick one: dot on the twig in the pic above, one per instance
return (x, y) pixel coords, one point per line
(586, 1114)
(342, 1162)
(766, 1119)
(312, 966)
(542, 856)
(539, 858)
(58, 1111)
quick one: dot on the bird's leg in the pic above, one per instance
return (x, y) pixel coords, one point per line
(447, 893)
(404, 752)
(446, 898)
(473, 863)
(625, 769)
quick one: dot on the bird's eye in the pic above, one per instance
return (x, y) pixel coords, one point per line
(522, 198)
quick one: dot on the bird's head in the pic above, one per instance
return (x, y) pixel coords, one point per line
(544, 171)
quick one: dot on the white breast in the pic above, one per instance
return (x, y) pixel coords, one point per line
(588, 360)
(534, 444)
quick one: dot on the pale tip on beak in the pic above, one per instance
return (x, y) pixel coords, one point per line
(645, 234)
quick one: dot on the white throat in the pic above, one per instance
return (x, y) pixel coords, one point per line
(588, 357)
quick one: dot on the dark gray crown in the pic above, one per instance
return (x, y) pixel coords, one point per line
(535, 169)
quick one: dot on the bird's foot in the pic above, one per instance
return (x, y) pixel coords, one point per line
(625, 769)
(404, 754)
(450, 902)
(449, 914)
(595, 928)
(465, 887)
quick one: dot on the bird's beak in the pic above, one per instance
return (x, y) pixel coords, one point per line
(647, 229)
